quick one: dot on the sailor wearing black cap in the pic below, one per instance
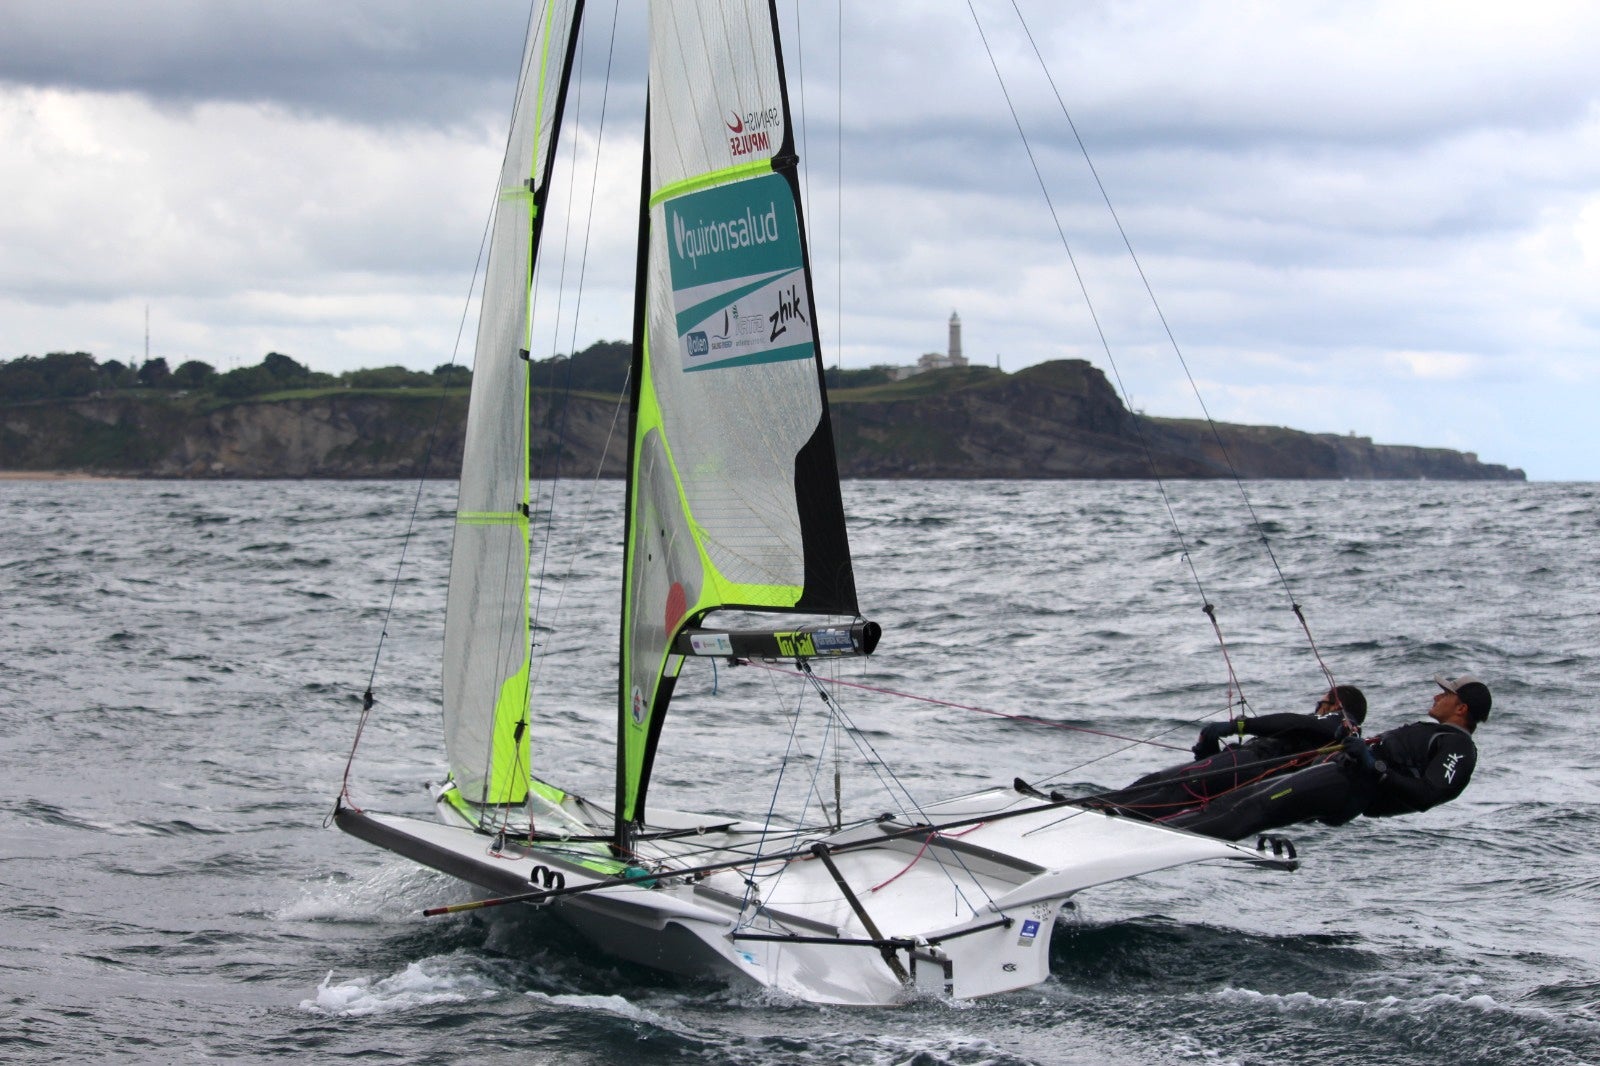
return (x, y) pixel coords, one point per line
(1423, 764)
(1410, 768)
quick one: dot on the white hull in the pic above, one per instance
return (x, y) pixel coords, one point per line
(967, 913)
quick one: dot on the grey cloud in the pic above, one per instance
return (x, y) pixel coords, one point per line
(360, 61)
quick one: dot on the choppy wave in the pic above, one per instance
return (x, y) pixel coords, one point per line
(181, 688)
(425, 983)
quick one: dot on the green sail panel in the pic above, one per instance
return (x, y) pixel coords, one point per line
(487, 639)
(733, 497)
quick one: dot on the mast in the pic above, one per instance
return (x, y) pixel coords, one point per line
(733, 487)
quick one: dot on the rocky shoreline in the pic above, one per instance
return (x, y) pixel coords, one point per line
(1056, 420)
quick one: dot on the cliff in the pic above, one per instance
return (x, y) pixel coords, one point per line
(1063, 420)
(1054, 420)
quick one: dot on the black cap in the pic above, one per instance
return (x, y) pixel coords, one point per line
(1471, 691)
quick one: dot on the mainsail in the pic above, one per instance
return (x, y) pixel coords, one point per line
(487, 650)
(733, 490)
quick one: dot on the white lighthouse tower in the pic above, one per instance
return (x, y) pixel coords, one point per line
(955, 356)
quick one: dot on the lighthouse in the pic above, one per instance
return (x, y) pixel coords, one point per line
(940, 360)
(955, 356)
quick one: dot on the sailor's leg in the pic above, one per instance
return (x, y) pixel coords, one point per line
(1166, 792)
(1161, 776)
(1324, 792)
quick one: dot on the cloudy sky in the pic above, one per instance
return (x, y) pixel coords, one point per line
(1371, 217)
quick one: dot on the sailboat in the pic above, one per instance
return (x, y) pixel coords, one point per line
(733, 509)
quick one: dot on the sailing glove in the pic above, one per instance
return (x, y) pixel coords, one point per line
(1358, 754)
(1211, 735)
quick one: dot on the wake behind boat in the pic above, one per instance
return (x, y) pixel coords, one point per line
(733, 505)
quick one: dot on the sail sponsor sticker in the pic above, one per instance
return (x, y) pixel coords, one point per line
(710, 644)
(753, 131)
(833, 642)
(739, 289)
(1031, 927)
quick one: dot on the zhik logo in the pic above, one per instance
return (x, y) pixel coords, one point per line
(1450, 765)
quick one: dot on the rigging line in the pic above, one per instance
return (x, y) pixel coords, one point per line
(800, 76)
(588, 509)
(1266, 767)
(858, 738)
(660, 855)
(982, 710)
(563, 260)
(422, 478)
(838, 772)
(1094, 316)
(1055, 776)
(583, 267)
(772, 806)
(816, 771)
(903, 800)
(1172, 339)
(766, 832)
(873, 760)
(1132, 742)
(927, 843)
(533, 270)
(811, 787)
(541, 895)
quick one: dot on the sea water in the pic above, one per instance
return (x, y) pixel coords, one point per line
(180, 689)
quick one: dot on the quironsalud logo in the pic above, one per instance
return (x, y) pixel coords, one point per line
(730, 233)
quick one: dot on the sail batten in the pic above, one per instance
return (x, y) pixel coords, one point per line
(733, 496)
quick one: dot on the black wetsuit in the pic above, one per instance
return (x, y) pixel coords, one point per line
(1415, 767)
(1420, 765)
(1280, 743)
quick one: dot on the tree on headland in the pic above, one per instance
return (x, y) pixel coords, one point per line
(33, 377)
(244, 381)
(193, 374)
(112, 374)
(284, 369)
(155, 374)
(840, 378)
(21, 381)
(601, 367)
(71, 375)
(387, 377)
